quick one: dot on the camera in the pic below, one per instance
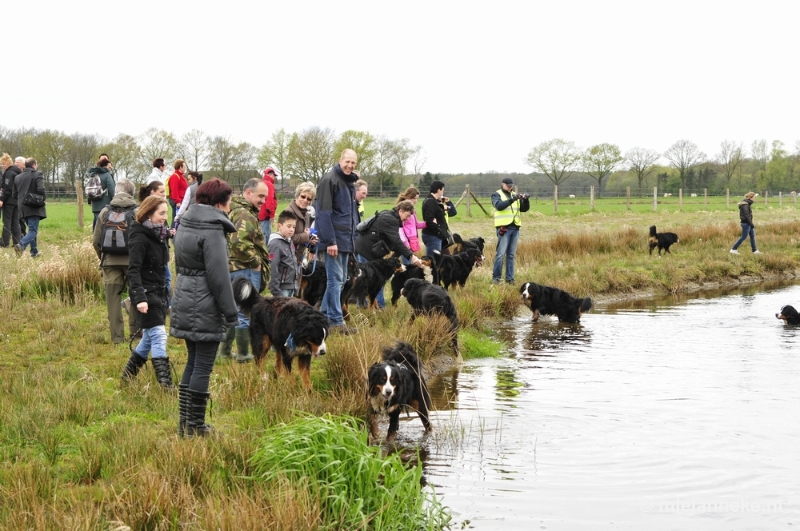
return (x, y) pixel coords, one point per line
(522, 196)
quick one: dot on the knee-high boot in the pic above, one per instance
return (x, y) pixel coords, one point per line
(224, 350)
(161, 367)
(243, 354)
(131, 369)
(184, 404)
(196, 422)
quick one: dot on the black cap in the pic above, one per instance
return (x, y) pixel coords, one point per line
(508, 181)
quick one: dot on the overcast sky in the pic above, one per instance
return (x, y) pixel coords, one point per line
(477, 85)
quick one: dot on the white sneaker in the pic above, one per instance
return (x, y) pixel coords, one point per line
(756, 252)
(734, 251)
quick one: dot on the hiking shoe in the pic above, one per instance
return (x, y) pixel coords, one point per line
(126, 305)
(19, 250)
(734, 251)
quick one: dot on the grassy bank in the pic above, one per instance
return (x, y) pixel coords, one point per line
(79, 451)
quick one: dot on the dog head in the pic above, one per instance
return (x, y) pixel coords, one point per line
(384, 382)
(529, 292)
(789, 315)
(412, 285)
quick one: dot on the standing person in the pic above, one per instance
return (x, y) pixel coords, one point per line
(11, 220)
(149, 255)
(336, 222)
(507, 221)
(433, 214)
(114, 267)
(158, 172)
(746, 218)
(361, 194)
(194, 180)
(268, 209)
(248, 257)
(32, 181)
(155, 188)
(411, 225)
(177, 186)
(282, 257)
(103, 171)
(303, 238)
(203, 306)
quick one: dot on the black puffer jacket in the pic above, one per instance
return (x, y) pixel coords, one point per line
(387, 228)
(7, 186)
(745, 212)
(202, 305)
(149, 256)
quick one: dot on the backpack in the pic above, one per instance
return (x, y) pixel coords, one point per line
(94, 188)
(114, 230)
(366, 226)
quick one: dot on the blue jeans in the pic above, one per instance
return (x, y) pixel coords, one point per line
(747, 230)
(168, 276)
(432, 243)
(379, 298)
(266, 228)
(506, 248)
(153, 340)
(336, 269)
(255, 279)
(30, 238)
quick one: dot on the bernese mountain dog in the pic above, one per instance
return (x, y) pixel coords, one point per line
(372, 278)
(429, 299)
(547, 300)
(291, 326)
(455, 269)
(425, 272)
(314, 281)
(789, 315)
(662, 240)
(462, 245)
(395, 384)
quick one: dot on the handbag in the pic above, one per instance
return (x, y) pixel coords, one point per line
(33, 200)
(448, 241)
(379, 249)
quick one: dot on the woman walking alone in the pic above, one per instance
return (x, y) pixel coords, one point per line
(746, 218)
(202, 307)
(148, 254)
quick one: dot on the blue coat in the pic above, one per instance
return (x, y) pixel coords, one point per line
(337, 214)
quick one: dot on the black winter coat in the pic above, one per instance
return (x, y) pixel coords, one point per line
(29, 180)
(745, 211)
(148, 257)
(7, 186)
(433, 209)
(202, 304)
(387, 228)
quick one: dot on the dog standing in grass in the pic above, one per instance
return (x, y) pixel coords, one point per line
(661, 240)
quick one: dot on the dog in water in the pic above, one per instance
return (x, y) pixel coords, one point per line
(547, 300)
(395, 384)
(662, 240)
(789, 315)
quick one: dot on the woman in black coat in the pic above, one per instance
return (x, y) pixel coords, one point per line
(148, 255)
(202, 305)
(386, 229)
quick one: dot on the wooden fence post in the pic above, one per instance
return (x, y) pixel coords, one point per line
(655, 198)
(79, 195)
(555, 198)
(680, 198)
(591, 197)
(628, 195)
(705, 198)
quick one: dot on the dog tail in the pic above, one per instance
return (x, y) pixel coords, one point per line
(245, 294)
(653, 232)
(586, 304)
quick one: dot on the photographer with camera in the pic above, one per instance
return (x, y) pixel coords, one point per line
(507, 222)
(435, 210)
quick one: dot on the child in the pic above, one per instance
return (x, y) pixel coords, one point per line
(282, 260)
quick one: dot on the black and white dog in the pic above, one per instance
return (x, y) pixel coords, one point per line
(395, 384)
(547, 300)
(789, 315)
(662, 240)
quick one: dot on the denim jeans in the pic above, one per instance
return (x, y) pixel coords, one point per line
(432, 243)
(30, 238)
(266, 228)
(379, 298)
(199, 364)
(168, 277)
(506, 248)
(153, 340)
(336, 269)
(747, 230)
(255, 279)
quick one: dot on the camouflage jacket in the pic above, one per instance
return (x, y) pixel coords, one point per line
(248, 248)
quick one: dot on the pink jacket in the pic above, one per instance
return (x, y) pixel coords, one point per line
(409, 230)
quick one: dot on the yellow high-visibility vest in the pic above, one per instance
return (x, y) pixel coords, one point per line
(509, 215)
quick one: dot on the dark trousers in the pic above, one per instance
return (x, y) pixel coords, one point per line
(199, 365)
(11, 225)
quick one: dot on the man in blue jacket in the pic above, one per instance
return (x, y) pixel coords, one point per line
(336, 222)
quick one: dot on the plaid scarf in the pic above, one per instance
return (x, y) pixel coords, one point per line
(160, 229)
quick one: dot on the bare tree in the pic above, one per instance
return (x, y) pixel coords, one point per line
(194, 148)
(50, 150)
(730, 158)
(684, 155)
(600, 161)
(312, 153)
(276, 153)
(642, 162)
(125, 153)
(419, 158)
(366, 147)
(80, 156)
(391, 159)
(556, 158)
(758, 150)
(154, 144)
(221, 156)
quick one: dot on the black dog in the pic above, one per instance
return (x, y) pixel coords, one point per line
(546, 300)
(789, 314)
(662, 240)
(462, 245)
(313, 283)
(429, 299)
(373, 277)
(455, 269)
(426, 272)
(291, 326)
(395, 384)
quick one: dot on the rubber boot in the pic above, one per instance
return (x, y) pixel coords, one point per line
(163, 375)
(243, 354)
(184, 403)
(196, 421)
(131, 369)
(224, 350)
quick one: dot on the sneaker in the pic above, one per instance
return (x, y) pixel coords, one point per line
(734, 251)
(126, 305)
(19, 250)
(756, 252)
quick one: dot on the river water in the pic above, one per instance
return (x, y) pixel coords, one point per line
(669, 414)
